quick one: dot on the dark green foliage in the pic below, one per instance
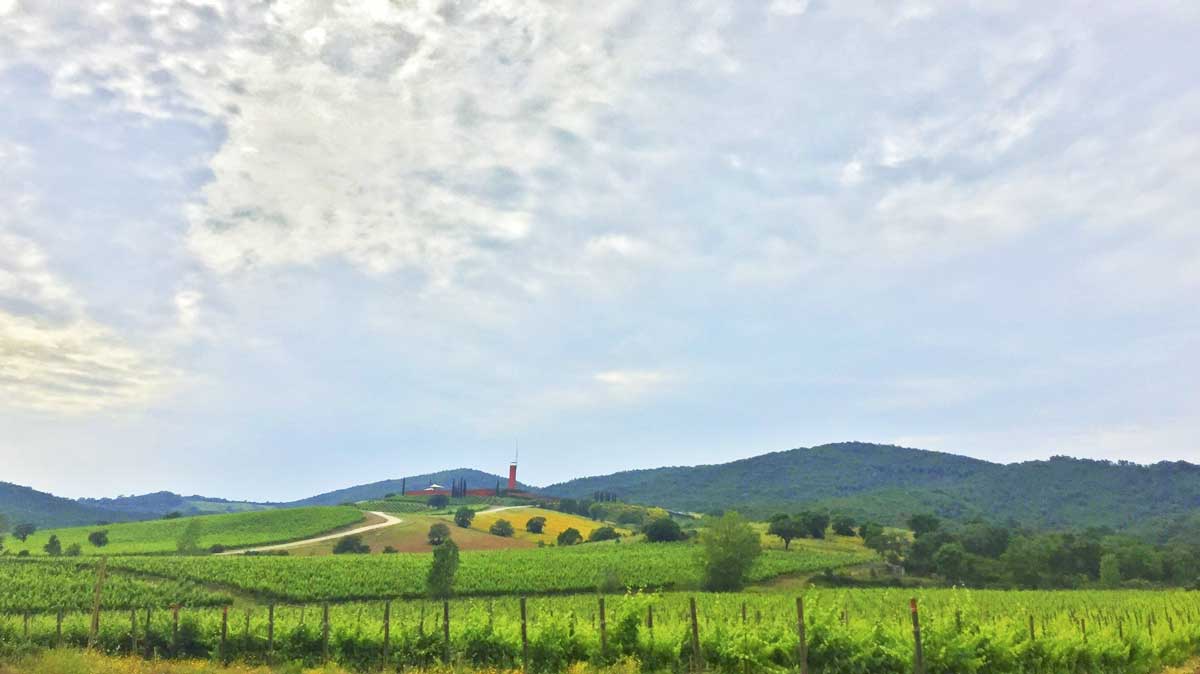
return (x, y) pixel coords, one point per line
(924, 523)
(389, 550)
(440, 581)
(663, 530)
(463, 517)
(23, 504)
(535, 525)
(786, 528)
(351, 545)
(173, 515)
(952, 562)
(438, 533)
(98, 538)
(813, 524)
(888, 484)
(24, 530)
(73, 550)
(603, 534)
(570, 536)
(843, 525)
(730, 547)
(377, 490)
(53, 547)
(502, 528)
(438, 501)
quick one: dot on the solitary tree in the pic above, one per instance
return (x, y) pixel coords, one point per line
(464, 516)
(843, 525)
(438, 534)
(438, 501)
(53, 547)
(814, 524)
(351, 545)
(98, 538)
(535, 525)
(570, 536)
(730, 548)
(23, 531)
(501, 528)
(440, 581)
(603, 534)
(786, 528)
(663, 530)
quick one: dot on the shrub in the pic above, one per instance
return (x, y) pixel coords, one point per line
(216, 548)
(536, 525)
(663, 530)
(502, 528)
(440, 581)
(98, 538)
(438, 501)
(603, 534)
(464, 517)
(351, 545)
(74, 550)
(389, 550)
(571, 536)
(438, 533)
(730, 548)
(53, 547)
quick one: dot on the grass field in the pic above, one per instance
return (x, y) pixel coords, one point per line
(556, 523)
(411, 536)
(231, 530)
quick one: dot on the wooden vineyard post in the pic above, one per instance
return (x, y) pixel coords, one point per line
(325, 633)
(224, 633)
(270, 634)
(149, 641)
(446, 631)
(918, 656)
(603, 629)
(133, 631)
(387, 630)
(958, 620)
(1032, 635)
(802, 647)
(695, 634)
(1083, 628)
(175, 630)
(58, 628)
(743, 613)
(650, 619)
(98, 592)
(26, 625)
(524, 638)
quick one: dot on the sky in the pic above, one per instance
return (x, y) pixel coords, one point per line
(262, 250)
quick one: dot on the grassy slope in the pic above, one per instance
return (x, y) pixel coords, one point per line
(556, 523)
(231, 530)
(411, 536)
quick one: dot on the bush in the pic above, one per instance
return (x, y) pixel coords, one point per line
(603, 534)
(536, 525)
(351, 545)
(440, 581)
(216, 548)
(74, 550)
(389, 550)
(438, 501)
(570, 537)
(464, 517)
(173, 515)
(502, 528)
(663, 530)
(438, 533)
(53, 547)
(730, 549)
(98, 538)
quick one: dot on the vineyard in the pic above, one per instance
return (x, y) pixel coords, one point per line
(843, 631)
(581, 568)
(163, 536)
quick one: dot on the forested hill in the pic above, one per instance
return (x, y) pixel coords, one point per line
(476, 479)
(24, 504)
(888, 483)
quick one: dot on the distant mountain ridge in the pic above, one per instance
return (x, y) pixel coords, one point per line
(476, 479)
(888, 483)
(25, 504)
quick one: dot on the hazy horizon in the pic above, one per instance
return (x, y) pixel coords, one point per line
(266, 250)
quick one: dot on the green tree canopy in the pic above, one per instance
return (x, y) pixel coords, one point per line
(730, 546)
(464, 516)
(440, 581)
(438, 533)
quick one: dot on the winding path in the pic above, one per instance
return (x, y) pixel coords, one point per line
(389, 520)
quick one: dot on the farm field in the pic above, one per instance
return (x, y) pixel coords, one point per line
(410, 536)
(163, 536)
(844, 631)
(580, 568)
(556, 523)
(51, 585)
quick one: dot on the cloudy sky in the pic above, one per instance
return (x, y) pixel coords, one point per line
(265, 249)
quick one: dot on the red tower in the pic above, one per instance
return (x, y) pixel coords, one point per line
(512, 476)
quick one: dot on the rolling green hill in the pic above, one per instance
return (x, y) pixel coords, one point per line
(24, 504)
(230, 530)
(157, 504)
(888, 483)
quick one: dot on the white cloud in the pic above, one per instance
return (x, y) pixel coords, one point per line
(629, 384)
